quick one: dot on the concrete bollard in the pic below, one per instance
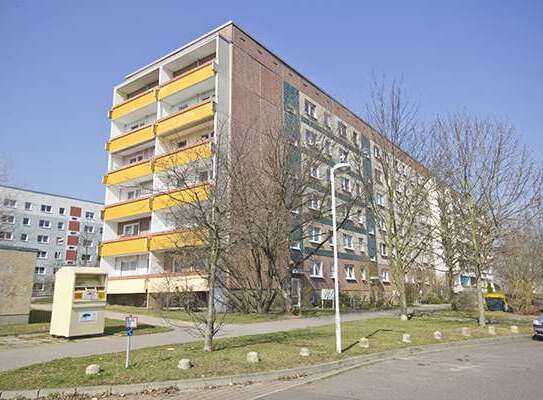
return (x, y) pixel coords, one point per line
(406, 338)
(403, 317)
(305, 352)
(92, 369)
(438, 335)
(184, 363)
(465, 332)
(514, 329)
(253, 357)
(364, 343)
(492, 330)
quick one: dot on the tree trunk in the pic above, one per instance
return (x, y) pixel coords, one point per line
(210, 320)
(403, 300)
(481, 304)
(450, 286)
(287, 301)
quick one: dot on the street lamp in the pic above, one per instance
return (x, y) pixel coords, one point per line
(334, 240)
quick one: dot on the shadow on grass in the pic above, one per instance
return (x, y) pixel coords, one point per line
(367, 336)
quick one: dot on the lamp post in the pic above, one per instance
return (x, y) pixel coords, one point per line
(334, 240)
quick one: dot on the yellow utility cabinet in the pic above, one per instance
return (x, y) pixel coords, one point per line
(79, 302)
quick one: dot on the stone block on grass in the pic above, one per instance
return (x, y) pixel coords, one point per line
(253, 357)
(491, 330)
(465, 331)
(184, 363)
(305, 352)
(92, 369)
(406, 338)
(438, 335)
(364, 343)
(514, 329)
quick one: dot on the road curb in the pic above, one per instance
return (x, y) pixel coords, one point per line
(321, 371)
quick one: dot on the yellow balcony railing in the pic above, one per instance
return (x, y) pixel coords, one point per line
(185, 119)
(156, 283)
(182, 157)
(133, 104)
(139, 170)
(165, 241)
(124, 247)
(131, 139)
(186, 80)
(189, 195)
(127, 209)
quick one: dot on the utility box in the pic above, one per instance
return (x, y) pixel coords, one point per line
(79, 302)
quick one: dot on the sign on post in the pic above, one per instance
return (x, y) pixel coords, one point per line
(130, 322)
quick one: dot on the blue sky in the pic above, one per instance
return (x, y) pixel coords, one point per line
(60, 59)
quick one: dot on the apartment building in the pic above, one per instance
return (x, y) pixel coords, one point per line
(180, 107)
(64, 230)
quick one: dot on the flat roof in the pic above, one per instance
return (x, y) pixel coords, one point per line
(50, 194)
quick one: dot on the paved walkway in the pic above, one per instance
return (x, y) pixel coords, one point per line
(16, 358)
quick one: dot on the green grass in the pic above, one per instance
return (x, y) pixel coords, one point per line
(229, 318)
(278, 351)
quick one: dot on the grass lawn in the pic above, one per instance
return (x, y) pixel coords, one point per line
(229, 318)
(39, 323)
(278, 351)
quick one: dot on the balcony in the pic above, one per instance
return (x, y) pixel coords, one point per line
(172, 240)
(131, 139)
(182, 157)
(171, 199)
(186, 80)
(125, 246)
(127, 209)
(156, 283)
(128, 173)
(135, 103)
(184, 119)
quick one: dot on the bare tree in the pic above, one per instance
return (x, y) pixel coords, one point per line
(493, 180)
(398, 189)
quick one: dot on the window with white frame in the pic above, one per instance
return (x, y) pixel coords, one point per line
(376, 151)
(363, 275)
(310, 109)
(26, 221)
(88, 229)
(310, 137)
(60, 240)
(62, 210)
(8, 219)
(342, 129)
(11, 203)
(331, 236)
(46, 208)
(315, 172)
(296, 245)
(343, 155)
(42, 254)
(24, 237)
(346, 184)
(313, 201)
(349, 272)
(89, 215)
(85, 257)
(380, 199)
(28, 206)
(355, 138)
(58, 255)
(87, 243)
(132, 265)
(44, 223)
(4, 235)
(38, 287)
(315, 269)
(315, 234)
(362, 244)
(385, 276)
(348, 242)
(43, 239)
(60, 225)
(39, 270)
(383, 248)
(133, 194)
(327, 120)
(131, 229)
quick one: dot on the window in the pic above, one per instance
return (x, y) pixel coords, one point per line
(327, 120)
(58, 255)
(310, 109)
(43, 239)
(131, 229)
(328, 147)
(133, 194)
(24, 237)
(310, 137)
(342, 129)
(44, 223)
(39, 270)
(38, 287)
(8, 219)
(313, 201)
(376, 152)
(346, 184)
(363, 274)
(385, 276)
(135, 158)
(348, 242)
(85, 257)
(296, 245)
(28, 206)
(332, 270)
(181, 144)
(343, 155)
(315, 234)
(88, 229)
(362, 245)
(204, 137)
(46, 208)
(315, 269)
(87, 243)
(203, 176)
(355, 138)
(349, 272)
(380, 199)
(331, 236)
(89, 215)
(60, 225)
(315, 172)
(6, 235)
(383, 248)
(42, 254)
(62, 210)
(378, 176)
(60, 240)
(26, 221)
(10, 203)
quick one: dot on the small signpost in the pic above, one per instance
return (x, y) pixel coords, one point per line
(131, 323)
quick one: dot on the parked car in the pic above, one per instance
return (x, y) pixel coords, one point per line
(538, 327)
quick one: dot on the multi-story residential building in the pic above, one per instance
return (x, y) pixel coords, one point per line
(175, 106)
(64, 230)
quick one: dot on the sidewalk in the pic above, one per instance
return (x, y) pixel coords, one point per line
(17, 358)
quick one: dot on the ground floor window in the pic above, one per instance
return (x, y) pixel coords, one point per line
(132, 265)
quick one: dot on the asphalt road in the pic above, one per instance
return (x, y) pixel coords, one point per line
(512, 370)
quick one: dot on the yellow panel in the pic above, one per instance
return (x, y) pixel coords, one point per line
(185, 119)
(181, 196)
(174, 283)
(133, 104)
(183, 157)
(129, 173)
(131, 139)
(122, 247)
(186, 81)
(126, 286)
(127, 209)
(173, 240)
